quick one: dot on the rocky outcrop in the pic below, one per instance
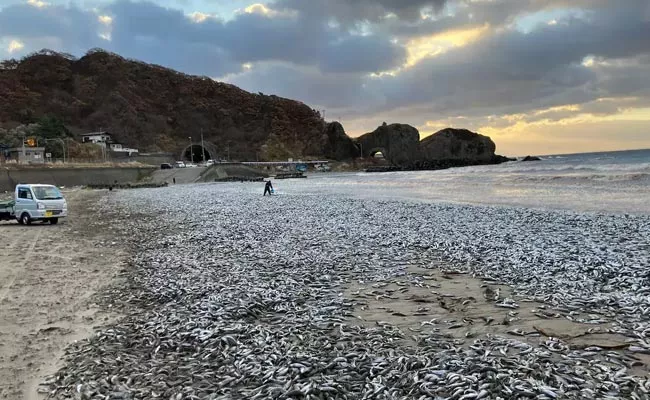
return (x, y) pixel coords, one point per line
(337, 145)
(531, 158)
(447, 148)
(156, 109)
(457, 144)
(399, 143)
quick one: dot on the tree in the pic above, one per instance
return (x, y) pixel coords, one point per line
(10, 64)
(51, 127)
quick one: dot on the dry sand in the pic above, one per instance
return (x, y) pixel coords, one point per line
(48, 275)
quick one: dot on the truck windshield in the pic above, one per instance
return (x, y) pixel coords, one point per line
(47, 193)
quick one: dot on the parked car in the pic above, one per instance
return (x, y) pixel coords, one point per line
(179, 164)
(191, 165)
(209, 163)
(166, 166)
(35, 203)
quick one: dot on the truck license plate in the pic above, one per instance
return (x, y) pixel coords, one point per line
(48, 213)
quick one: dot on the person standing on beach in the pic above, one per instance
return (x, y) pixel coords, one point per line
(268, 188)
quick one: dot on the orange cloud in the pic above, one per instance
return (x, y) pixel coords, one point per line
(424, 47)
(431, 46)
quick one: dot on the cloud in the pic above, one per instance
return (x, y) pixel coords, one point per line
(14, 46)
(350, 11)
(361, 54)
(336, 93)
(257, 34)
(476, 63)
(74, 27)
(510, 69)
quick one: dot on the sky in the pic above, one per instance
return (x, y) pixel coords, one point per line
(538, 76)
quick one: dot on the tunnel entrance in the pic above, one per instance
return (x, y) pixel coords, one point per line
(378, 153)
(196, 154)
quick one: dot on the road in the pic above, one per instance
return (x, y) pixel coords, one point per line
(182, 175)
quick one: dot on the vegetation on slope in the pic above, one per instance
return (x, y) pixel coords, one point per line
(154, 108)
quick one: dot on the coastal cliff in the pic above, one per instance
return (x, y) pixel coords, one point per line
(156, 109)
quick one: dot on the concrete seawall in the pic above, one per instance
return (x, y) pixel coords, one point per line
(9, 178)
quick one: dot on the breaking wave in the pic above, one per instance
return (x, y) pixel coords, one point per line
(625, 177)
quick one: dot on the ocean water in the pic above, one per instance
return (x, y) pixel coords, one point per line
(609, 182)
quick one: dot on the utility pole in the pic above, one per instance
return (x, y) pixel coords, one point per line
(23, 148)
(202, 148)
(67, 143)
(191, 152)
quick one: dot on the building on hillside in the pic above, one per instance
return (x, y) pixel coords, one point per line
(118, 148)
(106, 140)
(101, 138)
(27, 155)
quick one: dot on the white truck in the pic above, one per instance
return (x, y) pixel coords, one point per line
(34, 203)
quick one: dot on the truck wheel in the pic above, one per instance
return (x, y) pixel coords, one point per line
(25, 220)
(54, 221)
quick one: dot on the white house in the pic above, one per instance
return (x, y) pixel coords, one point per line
(100, 138)
(105, 140)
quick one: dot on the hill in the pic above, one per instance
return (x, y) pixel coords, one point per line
(157, 109)
(51, 95)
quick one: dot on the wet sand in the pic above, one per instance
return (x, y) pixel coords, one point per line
(48, 276)
(458, 306)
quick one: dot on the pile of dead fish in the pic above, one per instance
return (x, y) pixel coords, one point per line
(231, 295)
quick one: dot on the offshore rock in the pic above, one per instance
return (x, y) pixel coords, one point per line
(447, 148)
(531, 158)
(457, 144)
(399, 143)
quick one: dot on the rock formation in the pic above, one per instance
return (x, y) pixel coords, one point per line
(531, 158)
(156, 109)
(457, 144)
(399, 143)
(336, 145)
(449, 147)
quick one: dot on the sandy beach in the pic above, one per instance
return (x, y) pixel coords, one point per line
(223, 293)
(48, 277)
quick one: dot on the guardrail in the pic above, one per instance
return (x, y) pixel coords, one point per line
(281, 162)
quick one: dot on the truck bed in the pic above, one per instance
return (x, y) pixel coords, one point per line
(7, 210)
(7, 204)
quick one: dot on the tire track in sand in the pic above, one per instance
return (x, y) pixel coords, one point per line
(14, 273)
